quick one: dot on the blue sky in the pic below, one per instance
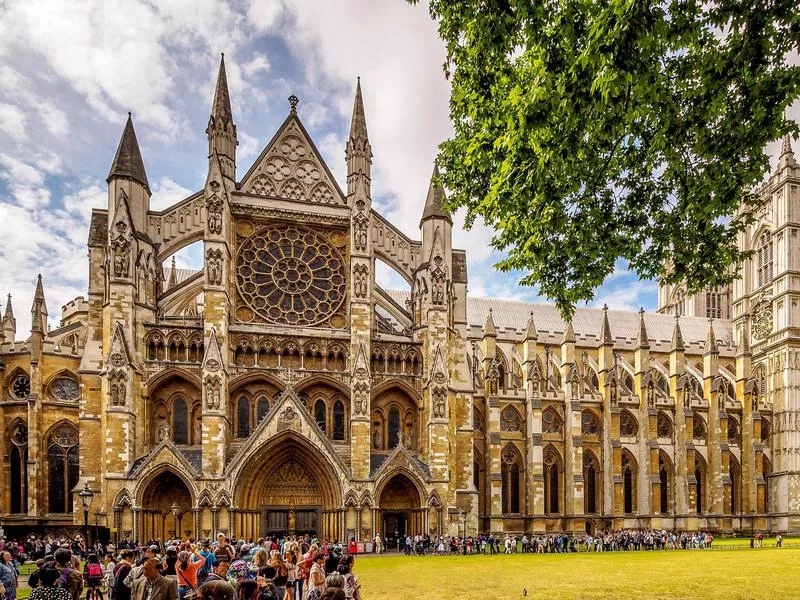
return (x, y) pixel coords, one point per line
(70, 72)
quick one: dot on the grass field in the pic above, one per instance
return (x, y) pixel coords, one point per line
(707, 574)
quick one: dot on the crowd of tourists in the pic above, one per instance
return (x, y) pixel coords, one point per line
(269, 569)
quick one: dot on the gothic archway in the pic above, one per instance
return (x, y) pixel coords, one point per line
(288, 487)
(164, 492)
(401, 509)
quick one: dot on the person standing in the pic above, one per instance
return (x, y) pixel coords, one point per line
(152, 585)
(8, 576)
(47, 588)
(121, 572)
(187, 569)
(378, 543)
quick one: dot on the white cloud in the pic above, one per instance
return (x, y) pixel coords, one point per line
(248, 147)
(264, 15)
(167, 192)
(12, 121)
(258, 64)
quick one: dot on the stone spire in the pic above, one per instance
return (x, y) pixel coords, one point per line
(173, 275)
(128, 163)
(605, 330)
(530, 331)
(9, 322)
(642, 340)
(569, 334)
(677, 337)
(433, 202)
(358, 151)
(787, 158)
(489, 328)
(221, 107)
(743, 348)
(711, 339)
(221, 130)
(39, 308)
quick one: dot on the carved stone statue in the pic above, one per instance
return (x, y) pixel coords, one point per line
(377, 439)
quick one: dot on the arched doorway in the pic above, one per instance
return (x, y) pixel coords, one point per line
(156, 519)
(288, 488)
(401, 511)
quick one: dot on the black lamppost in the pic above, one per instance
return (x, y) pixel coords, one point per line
(86, 495)
(176, 512)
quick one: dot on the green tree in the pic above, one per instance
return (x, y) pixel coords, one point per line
(592, 131)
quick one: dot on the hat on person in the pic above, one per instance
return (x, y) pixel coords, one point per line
(183, 555)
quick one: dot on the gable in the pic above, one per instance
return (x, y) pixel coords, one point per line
(291, 168)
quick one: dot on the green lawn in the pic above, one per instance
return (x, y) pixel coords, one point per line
(679, 574)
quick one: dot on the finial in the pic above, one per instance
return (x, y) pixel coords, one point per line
(173, 262)
(605, 307)
(641, 310)
(293, 100)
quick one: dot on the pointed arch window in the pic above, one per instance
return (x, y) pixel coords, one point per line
(62, 468)
(18, 464)
(243, 417)
(591, 473)
(393, 427)
(735, 473)
(338, 420)
(700, 485)
(764, 259)
(262, 408)
(510, 419)
(180, 421)
(510, 486)
(665, 482)
(552, 481)
(628, 483)
(320, 411)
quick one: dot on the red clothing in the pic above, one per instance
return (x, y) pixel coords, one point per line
(189, 576)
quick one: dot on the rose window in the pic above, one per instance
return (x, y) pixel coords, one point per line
(290, 275)
(65, 389)
(21, 387)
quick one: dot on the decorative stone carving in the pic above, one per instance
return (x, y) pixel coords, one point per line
(117, 388)
(510, 420)
(589, 423)
(214, 207)
(121, 257)
(360, 280)
(439, 396)
(289, 414)
(663, 426)
(360, 227)
(214, 266)
(627, 425)
(213, 389)
(360, 398)
(762, 320)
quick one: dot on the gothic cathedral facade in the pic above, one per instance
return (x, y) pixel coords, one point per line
(280, 389)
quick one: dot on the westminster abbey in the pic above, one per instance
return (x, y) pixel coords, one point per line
(279, 389)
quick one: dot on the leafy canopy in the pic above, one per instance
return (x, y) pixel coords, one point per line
(591, 131)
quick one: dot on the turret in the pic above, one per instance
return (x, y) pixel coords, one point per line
(221, 130)
(568, 347)
(711, 354)
(172, 280)
(127, 175)
(786, 158)
(676, 351)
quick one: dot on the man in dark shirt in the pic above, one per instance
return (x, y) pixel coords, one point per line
(122, 591)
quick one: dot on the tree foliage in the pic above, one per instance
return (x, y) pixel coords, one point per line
(592, 131)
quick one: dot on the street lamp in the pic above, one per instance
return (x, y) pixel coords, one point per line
(176, 512)
(86, 495)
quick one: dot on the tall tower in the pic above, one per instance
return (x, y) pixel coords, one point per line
(359, 163)
(775, 315)
(128, 255)
(220, 183)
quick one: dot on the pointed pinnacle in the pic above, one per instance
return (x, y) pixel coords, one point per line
(221, 107)
(173, 275)
(569, 334)
(743, 348)
(677, 337)
(358, 124)
(489, 328)
(787, 154)
(642, 341)
(711, 339)
(530, 332)
(128, 161)
(605, 332)
(9, 309)
(433, 201)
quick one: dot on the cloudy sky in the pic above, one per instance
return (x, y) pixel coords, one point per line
(70, 72)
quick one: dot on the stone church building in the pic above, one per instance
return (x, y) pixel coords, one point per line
(281, 390)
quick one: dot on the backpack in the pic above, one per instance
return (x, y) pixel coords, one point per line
(63, 579)
(94, 571)
(268, 592)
